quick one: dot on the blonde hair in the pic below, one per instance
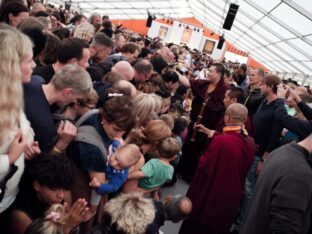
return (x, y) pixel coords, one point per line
(132, 152)
(84, 31)
(144, 105)
(153, 132)
(14, 47)
(55, 218)
(169, 147)
(131, 212)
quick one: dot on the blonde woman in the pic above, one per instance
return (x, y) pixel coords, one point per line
(145, 105)
(16, 135)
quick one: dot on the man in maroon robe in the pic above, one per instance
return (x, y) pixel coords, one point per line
(218, 184)
(212, 114)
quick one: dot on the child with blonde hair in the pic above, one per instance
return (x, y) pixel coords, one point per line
(156, 171)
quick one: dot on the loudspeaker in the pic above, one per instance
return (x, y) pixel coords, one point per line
(149, 21)
(229, 19)
(220, 43)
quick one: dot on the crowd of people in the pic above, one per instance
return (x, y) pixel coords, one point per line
(96, 119)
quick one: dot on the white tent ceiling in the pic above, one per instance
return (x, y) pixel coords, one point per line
(277, 33)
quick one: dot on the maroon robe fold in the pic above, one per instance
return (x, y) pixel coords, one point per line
(218, 184)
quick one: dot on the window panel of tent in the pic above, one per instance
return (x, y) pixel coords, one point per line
(102, 5)
(264, 56)
(292, 51)
(85, 5)
(251, 10)
(134, 16)
(288, 68)
(240, 17)
(303, 69)
(268, 53)
(180, 3)
(160, 4)
(137, 5)
(306, 4)
(261, 31)
(266, 64)
(131, 11)
(248, 40)
(268, 5)
(277, 28)
(298, 21)
(280, 52)
(121, 5)
(302, 45)
(254, 36)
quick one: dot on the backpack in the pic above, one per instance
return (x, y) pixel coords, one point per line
(89, 134)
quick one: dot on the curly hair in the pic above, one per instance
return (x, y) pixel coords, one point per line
(54, 172)
(14, 47)
(131, 213)
(49, 225)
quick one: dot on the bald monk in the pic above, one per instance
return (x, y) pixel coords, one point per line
(218, 184)
(124, 69)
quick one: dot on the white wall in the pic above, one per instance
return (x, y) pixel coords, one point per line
(154, 30)
(175, 33)
(216, 53)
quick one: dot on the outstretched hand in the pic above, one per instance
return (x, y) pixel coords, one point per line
(95, 183)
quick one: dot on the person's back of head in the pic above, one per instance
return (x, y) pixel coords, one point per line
(74, 77)
(130, 213)
(72, 48)
(168, 148)
(61, 32)
(100, 39)
(143, 66)
(51, 48)
(170, 76)
(30, 23)
(52, 172)
(52, 223)
(177, 207)
(126, 88)
(235, 113)
(125, 69)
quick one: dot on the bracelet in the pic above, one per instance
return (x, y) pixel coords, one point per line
(57, 150)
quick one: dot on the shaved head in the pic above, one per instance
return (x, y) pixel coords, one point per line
(237, 113)
(124, 69)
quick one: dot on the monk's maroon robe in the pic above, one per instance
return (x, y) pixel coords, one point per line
(218, 184)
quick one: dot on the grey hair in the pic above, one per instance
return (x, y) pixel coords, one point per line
(73, 76)
(92, 16)
(100, 39)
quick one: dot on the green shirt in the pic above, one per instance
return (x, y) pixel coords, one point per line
(156, 174)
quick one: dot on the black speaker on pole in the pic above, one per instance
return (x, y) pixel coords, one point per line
(220, 43)
(229, 19)
(149, 21)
